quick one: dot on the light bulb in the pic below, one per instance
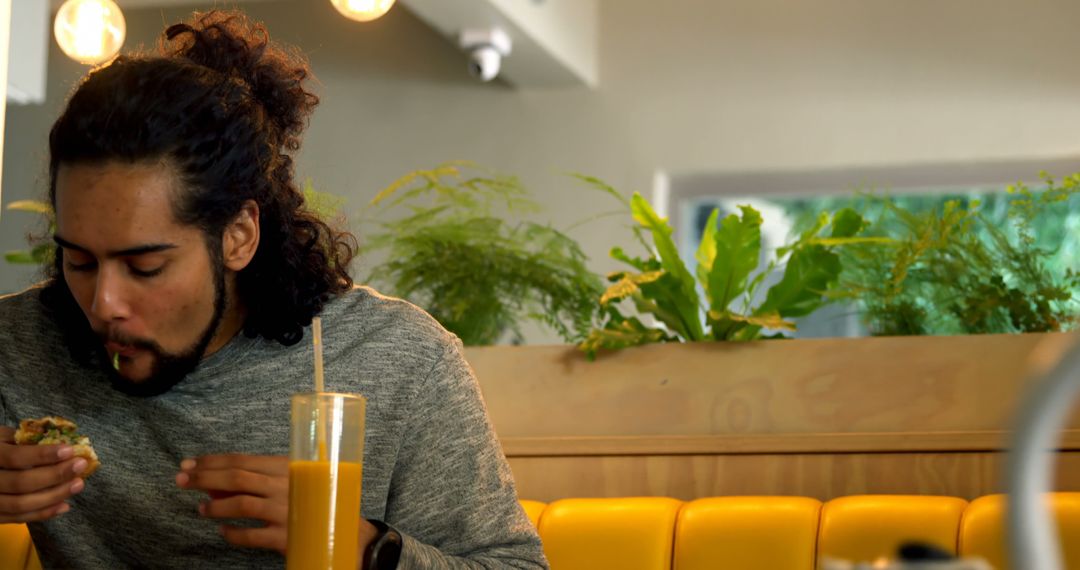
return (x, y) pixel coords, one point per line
(90, 31)
(362, 10)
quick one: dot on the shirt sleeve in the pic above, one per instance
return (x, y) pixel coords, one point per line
(452, 494)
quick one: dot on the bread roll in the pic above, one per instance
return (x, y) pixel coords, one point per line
(54, 430)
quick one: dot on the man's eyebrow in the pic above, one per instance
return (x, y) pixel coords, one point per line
(137, 250)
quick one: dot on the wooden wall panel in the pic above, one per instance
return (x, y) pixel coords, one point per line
(821, 476)
(870, 385)
(819, 418)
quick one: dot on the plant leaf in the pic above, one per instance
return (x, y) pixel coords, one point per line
(449, 169)
(601, 186)
(706, 252)
(20, 257)
(807, 277)
(34, 206)
(738, 252)
(840, 241)
(628, 284)
(846, 223)
(635, 262)
(679, 284)
(769, 320)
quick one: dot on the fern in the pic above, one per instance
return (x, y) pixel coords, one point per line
(457, 246)
(953, 270)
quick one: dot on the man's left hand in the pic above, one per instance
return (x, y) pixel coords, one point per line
(252, 487)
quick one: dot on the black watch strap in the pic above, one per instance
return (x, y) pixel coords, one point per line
(385, 549)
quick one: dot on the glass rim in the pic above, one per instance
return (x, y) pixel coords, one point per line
(329, 395)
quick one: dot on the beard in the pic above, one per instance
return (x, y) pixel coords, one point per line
(168, 369)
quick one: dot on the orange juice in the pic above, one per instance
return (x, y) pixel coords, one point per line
(324, 516)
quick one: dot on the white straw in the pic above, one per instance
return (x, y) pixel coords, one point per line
(316, 331)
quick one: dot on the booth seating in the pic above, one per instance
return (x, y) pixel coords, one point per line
(777, 533)
(743, 533)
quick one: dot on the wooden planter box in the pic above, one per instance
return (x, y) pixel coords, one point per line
(819, 418)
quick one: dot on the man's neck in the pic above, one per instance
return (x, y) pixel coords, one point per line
(231, 323)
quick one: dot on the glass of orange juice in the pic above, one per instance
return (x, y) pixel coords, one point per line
(326, 455)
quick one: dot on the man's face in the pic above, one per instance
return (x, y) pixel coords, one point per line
(147, 284)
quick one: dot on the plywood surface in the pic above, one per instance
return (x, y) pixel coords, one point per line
(873, 385)
(821, 476)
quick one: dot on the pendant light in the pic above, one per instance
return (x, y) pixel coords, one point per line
(90, 31)
(362, 10)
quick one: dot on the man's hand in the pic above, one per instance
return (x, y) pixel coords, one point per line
(243, 487)
(249, 487)
(35, 480)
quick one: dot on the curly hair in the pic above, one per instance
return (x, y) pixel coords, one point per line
(225, 108)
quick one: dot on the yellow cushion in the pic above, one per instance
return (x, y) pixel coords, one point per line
(533, 510)
(16, 548)
(869, 527)
(982, 531)
(625, 533)
(747, 533)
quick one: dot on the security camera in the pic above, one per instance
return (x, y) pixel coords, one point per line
(486, 48)
(484, 63)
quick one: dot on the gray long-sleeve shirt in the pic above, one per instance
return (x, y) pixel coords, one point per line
(432, 466)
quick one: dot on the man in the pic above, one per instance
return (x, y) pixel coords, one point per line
(187, 258)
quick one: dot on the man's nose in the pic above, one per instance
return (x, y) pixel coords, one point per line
(110, 295)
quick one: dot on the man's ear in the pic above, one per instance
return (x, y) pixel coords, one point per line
(240, 240)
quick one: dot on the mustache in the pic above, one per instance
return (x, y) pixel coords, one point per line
(127, 340)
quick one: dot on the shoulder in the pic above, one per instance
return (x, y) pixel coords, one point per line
(364, 310)
(29, 333)
(22, 313)
(386, 332)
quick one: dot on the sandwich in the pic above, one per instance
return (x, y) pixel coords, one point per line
(55, 430)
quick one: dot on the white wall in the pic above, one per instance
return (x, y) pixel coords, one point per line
(566, 28)
(685, 85)
(5, 37)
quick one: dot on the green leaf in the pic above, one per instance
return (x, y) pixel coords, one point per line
(601, 186)
(738, 251)
(20, 257)
(840, 241)
(769, 320)
(847, 223)
(628, 284)
(34, 206)
(723, 326)
(635, 262)
(620, 332)
(433, 175)
(455, 245)
(653, 300)
(679, 284)
(43, 252)
(807, 277)
(727, 325)
(324, 204)
(706, 252)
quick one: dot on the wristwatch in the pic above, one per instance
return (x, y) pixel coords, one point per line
(385, 549)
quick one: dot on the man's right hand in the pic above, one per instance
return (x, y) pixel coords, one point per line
(35, 480)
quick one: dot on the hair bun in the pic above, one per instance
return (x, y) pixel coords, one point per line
(232, 44)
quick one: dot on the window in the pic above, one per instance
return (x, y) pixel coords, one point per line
(789, 200)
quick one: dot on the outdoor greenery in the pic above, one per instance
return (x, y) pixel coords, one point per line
(957, 269)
